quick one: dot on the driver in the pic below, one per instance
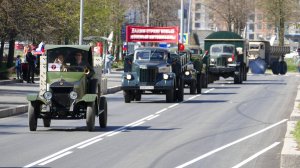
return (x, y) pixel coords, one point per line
(80, 63)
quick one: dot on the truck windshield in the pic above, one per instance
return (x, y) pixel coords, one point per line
(149, 55)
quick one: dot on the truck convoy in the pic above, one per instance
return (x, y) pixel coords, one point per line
(226, 54)
(154, 70)
(262, 56)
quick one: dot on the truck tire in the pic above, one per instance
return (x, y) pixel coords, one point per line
(275, 68)
(32, 117)
(180, 91)
(193, 87)
(199, 84)
(245, 74)
(90, 116)
(170, 96)
(137, 96)
(47, 122)
(238, 77)
(127, 96)
(204, 80)
(103, 115)
(282, 67)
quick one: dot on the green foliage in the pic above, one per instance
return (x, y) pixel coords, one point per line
(296, 133)
(292, 67)
(118, 64)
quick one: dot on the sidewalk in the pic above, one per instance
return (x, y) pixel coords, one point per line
(13, 93)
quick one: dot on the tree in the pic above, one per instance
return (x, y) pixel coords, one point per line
(162, 13)
(233, 12)
(279, 12)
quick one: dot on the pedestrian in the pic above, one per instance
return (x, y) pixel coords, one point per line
(31, 66)
(108, 62)
(18, 67)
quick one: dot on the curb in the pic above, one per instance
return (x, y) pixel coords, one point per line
(23, 108)
(13, 111)
(290, 153)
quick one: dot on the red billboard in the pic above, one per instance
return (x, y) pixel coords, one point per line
(152, 34)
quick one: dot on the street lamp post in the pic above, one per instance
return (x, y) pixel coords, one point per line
(81, 22)
(148, 12)
(181, 22)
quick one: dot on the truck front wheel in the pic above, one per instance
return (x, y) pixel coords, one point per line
(103, 114)
(32, 117)
(127, 96)
(90, 116)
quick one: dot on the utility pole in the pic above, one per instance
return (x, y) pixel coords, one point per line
(81, 22)
(189, 19)
(181, 22)
(148, 12)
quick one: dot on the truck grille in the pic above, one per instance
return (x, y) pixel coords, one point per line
(148, 75)
(222, 61)
(61, 100)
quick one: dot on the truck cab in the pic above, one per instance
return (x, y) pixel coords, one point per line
(151, 71)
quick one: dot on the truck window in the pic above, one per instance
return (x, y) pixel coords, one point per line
(228, 49)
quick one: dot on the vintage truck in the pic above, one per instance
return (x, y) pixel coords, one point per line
(70, 87)
(192, 70)
(262, 56)
(154, 71)
(226, 53)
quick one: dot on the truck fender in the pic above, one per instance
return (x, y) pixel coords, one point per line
(89, 98)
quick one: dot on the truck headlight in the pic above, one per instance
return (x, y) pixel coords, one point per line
(212, 60)
(165, 76)
(128, 76)
(187, 73)
(73, 95)
(47, 95)
(229, 59)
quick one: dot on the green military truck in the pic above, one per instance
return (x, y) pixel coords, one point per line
(200, 63)
(227, 56)
(70, 87)
(154, 70)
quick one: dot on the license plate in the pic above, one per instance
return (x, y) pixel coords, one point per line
(146, 87)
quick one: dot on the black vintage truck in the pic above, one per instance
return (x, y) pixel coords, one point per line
(154, 70)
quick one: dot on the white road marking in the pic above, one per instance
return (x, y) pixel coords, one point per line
(55, 158)
(116, 132)
(90, 143)
(160, 111)
(192, 97)
(173, 105)
(152, 117)
(137, 124)
(209, 90)
(95, 139)
(256, 155)
(230, 144)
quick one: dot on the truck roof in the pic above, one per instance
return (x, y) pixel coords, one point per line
(224, 35)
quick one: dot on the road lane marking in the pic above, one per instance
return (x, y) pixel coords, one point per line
(230, 144)
(96, 138)
(209, 90)
(256, 155)
(160, 111)
(116, 132)
(90, 143)
(137, 124)
(152, 117)
(173, 105)
(55, 158)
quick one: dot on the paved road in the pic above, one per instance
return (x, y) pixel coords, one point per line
(226, 126)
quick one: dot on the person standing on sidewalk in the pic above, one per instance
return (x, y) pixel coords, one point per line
(31, 66)
(18, 66)
(108, 62)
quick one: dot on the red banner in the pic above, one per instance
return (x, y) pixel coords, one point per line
(152, 34)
